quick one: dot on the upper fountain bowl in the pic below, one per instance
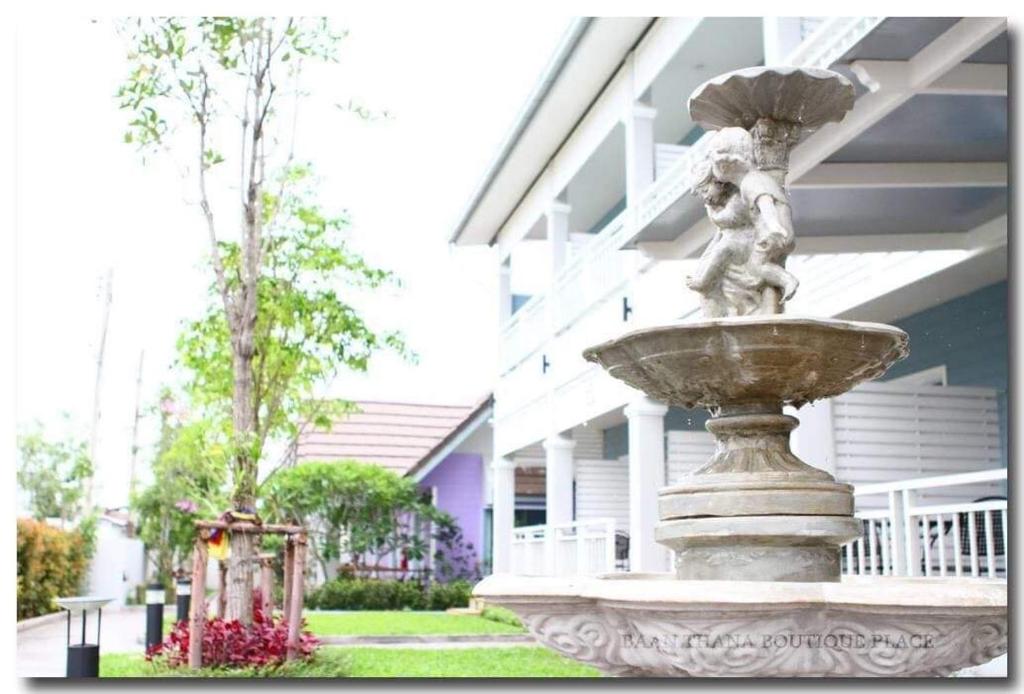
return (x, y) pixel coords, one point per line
(751, 361)
(809, 97)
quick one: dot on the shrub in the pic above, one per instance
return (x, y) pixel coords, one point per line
(441, 596)
(501, 615)
(368, 594)
(377, 594)
(51, 563)
(232, 645)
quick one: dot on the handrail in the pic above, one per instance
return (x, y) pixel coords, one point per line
(932, 482)
(563, 526)
(975, 507)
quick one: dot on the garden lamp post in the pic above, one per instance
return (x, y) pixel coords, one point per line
(83, 658)
(183, 591)
(155, 596)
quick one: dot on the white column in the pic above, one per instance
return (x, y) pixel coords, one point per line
(558, 479)
(814, 440)
(781, 37)
(646, 476)
(639, 127)
(502, 512)
(504, 293)
(557, 217)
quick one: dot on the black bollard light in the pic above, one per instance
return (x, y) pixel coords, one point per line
(83, 658)
(183, 591)
(154, 615)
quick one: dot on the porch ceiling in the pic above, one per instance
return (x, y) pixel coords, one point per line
(948, 125)
(868, 211)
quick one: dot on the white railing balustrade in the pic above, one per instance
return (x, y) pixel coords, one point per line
(596, 272)
(599, 269)
(907, 539)
(582, 548)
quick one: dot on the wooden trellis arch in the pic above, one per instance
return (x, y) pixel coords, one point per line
(292, 590)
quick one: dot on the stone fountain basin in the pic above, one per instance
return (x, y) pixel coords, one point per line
(653, 625)
(751, 361)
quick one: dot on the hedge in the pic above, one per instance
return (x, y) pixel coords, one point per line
(51, 563)
(377, 594)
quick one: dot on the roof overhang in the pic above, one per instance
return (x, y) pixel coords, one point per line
(590, 53)
(480, 415)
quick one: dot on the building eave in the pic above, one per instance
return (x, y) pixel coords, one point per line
(598, 45)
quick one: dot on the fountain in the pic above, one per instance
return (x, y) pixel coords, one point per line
(756, 531)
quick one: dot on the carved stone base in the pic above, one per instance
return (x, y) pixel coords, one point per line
(758, 548)
(651, 625)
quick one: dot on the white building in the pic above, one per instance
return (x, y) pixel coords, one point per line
(900, 212)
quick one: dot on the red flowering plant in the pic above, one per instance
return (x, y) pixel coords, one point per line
(232, 645)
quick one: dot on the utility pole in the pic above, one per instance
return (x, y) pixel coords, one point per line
(135, 427)
(108, 299)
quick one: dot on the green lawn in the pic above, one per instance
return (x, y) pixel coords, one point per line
(385, 623)
(521, 661)
(372, 623)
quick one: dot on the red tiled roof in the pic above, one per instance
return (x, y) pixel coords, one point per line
(394, 435)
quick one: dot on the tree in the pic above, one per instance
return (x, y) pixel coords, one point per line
(367, 509)
(189, 479)
(224, 79)
(54, 473)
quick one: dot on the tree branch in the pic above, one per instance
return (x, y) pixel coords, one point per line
(204, 201)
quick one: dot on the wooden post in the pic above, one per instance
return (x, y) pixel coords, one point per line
(267, 586)
(295, 606)
(197, 609)
(286, 588)
(222, 590)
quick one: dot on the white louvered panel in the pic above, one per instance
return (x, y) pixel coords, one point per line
(602, 490)
(589, 443)
(665, 155)
(687, 451)
(893, 432)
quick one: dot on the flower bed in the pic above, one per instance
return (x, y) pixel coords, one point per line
(233, 645)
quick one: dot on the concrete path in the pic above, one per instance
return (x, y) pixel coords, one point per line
(41, 646)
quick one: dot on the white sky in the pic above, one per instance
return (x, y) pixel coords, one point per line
(86, 204)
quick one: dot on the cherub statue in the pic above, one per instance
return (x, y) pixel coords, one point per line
(743, 265)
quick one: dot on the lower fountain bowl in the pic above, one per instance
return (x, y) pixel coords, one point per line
(751, 360)
(653, 625)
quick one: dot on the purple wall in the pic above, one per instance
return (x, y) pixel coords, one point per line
(459, 482)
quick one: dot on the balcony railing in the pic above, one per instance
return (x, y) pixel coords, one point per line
(907, 539)
(599, 269)
(582, 548)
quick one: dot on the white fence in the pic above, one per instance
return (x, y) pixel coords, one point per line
(952, 539)
(583, 548)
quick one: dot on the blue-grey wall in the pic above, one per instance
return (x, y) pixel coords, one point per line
(969, 335)
(518, 300)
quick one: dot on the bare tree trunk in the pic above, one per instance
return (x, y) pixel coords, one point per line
(94, 432)
(240, 582)
(135, 428)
